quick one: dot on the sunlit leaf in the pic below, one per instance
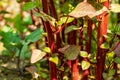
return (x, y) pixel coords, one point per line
(28, 6)
(54, 59)
(27, 19)
(47, 50)
(82, 9)
(104, 45)
(71, 28)
(110, 55)
(37, 55)
(71, 52)
(117, 60)
(111, 72)
(63, 20)
(65, 78)
(86, 9)
(83, 54)
(115, 8)
(33, 71)
(85, 65)
(103, 1)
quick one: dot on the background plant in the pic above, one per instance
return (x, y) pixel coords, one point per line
(63, 39)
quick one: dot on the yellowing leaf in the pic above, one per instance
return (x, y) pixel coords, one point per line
(115, 8)
(54, 59)
(85, 65)
(37, 55)
(63, 20)
(83, 54)
(47, 49)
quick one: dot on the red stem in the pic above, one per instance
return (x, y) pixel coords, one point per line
(102, 30)
(58, 39)
(50, 38)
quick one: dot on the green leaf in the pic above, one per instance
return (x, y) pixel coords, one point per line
(5, 53)
(118, 29)
(61, 68)
(71, 52)
(110, 56)
(85, 65)
(66, 7)
(93, 60)
(117, 60)
(83, 54)
(36, 55)
(34, 36)
(28, 6)
(28, 55)
(115, 8)
(27, 19)
(54, 59)
(63, 20)
(23, 51)
(19, 24)
(6, 29)
(111, 72)
(105, 45)
(71, 28)
(47, 50)
(45, 17)
(9, 38)
(105, 75)
(43, 75)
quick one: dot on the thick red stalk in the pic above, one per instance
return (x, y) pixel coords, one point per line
(50, 38)
(102, 30)
(58, 39)
(53, 10)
